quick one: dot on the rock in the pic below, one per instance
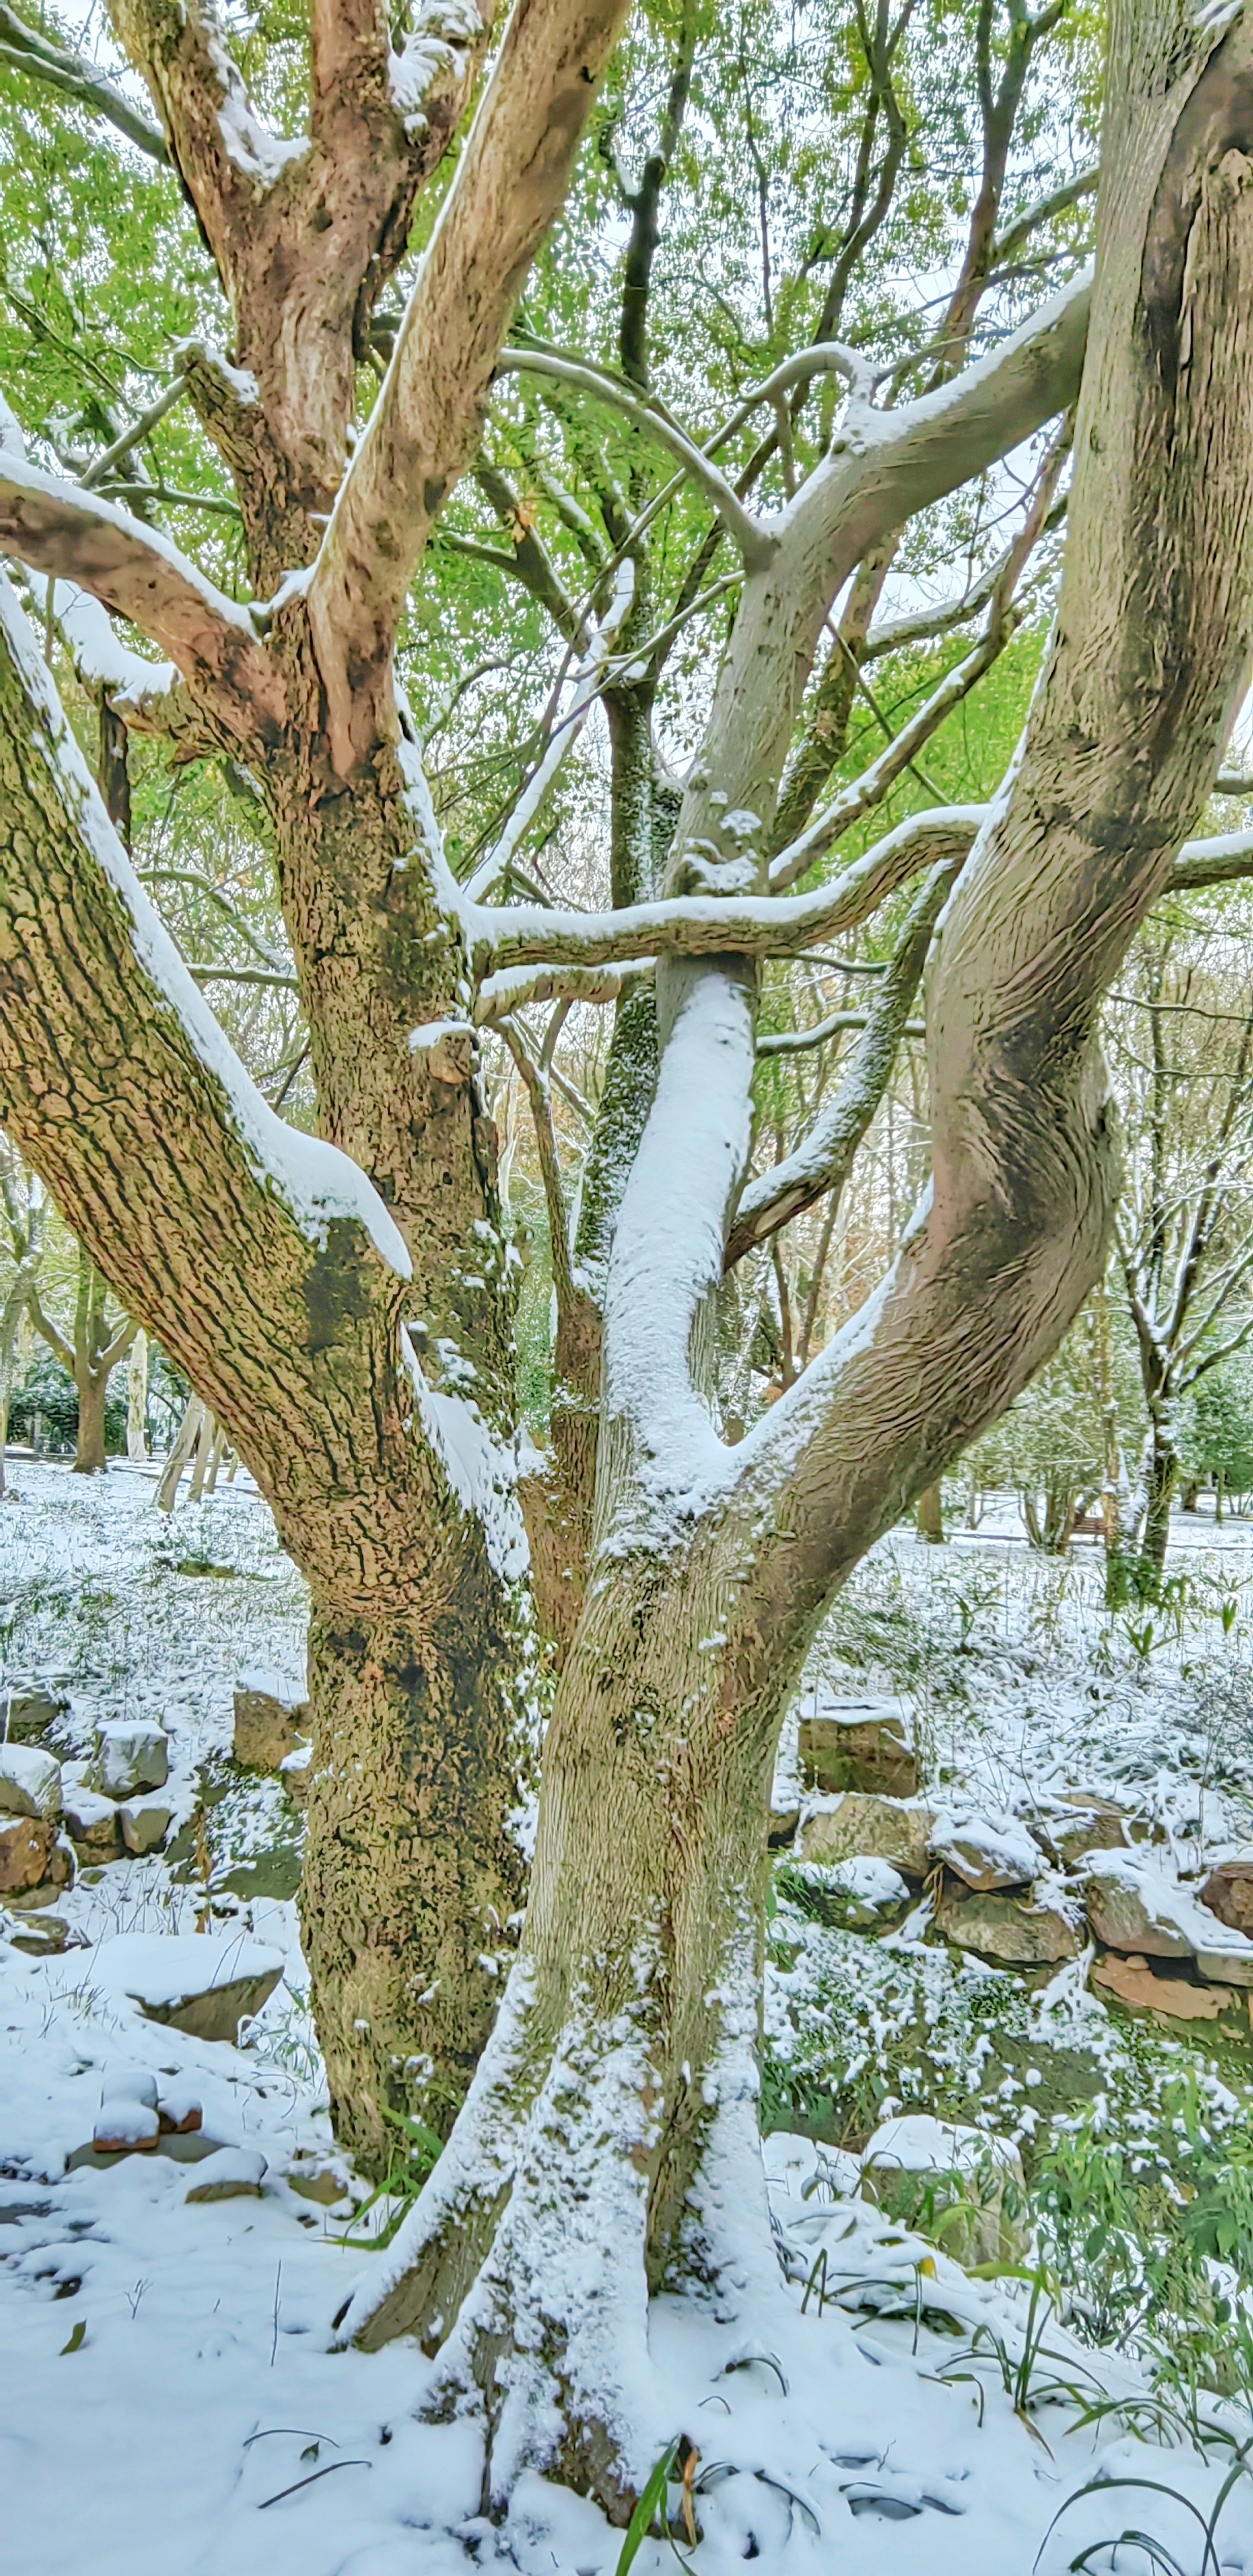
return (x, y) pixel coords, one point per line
(32, 1707)
(1134, 1982)
(131, 1755)
(963, 2188)
(61, 1871)
(296, 1773)
(41, 1936)
(26, 1847)
(145, 1822)
(316, 2182)
(1037, 1932)
(864, 1826)
(128, 2121)
(1228, 1892)
(179, 2110)
(1131, 1906)
(781, 1826)
(93, 1824)
(862, 1744)
(1091, 1824)
(987, 1851)
(190, 1980)
(272, 1718)
(234, 2173)
(30, 1782)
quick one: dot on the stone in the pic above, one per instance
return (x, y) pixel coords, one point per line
(963, 2188)
(30, 1782)
(781, 1827)
(272, 1718)
(861, 1744)
(1132, 1907)
(32, 1707)
(862, 1826)
(131, 1755)
(191, 1981)
(1020, 1932)
(145, 1822)
(179, 2110)
(986, 1851)
(26, 1847)
(93, 1824)
(61, 1870)
(234, 2173)
(41, 1936)
(1134, 1982)
(316, 2182)
(1228, 1892)
(854, 1895)
(296, 1773)
(1092, 1824)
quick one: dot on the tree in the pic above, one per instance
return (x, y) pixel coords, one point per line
(26, 1214)
(89, 1358)
(342, 1301)
(1184, 1058)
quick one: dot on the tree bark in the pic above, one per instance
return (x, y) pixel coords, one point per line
(89, 1448)
(930, 1513)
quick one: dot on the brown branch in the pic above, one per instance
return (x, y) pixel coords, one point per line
(72, 536)
(426, 425)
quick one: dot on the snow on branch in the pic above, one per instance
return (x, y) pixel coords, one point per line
(568, 726)
(27, 49)
(61, 530)
(713, 925)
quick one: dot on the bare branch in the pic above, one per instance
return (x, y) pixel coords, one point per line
(1044, 211)
(745, 531)
(502, 995)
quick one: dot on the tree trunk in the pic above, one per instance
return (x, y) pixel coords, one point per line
(137, 1401)
(89, 1449)
(184, 1442)
(609, 2146)
(929, 1510)
(1160, 1485)
(413, 1879)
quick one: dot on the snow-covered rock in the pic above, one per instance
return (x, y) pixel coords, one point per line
(193, 1981)
(128, 2121)
(30, 1781)
(864, 1744)
(1228, 1892)
(30, 1709)
(1071, 1828)
(987, 1851)
(1134, 1906)
(234, 2173)
(145, 1822)
(93, 1823)
(131, 1755)
(1132, 1981)
(862, 1826)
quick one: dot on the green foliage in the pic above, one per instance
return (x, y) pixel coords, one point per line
(48, 1391)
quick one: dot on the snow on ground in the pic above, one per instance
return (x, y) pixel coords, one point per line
(168, 2396)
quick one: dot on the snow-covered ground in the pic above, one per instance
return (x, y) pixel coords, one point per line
(169, 2398)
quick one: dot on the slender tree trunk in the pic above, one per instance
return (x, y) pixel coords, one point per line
(137, 1400)
(184, 1442)
(1163, 1465)
(89, 1449)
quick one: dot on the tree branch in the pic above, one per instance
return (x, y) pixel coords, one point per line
(823, 1161)
(75, 537)
(24, 49)
(221, 1229)
(426, 424)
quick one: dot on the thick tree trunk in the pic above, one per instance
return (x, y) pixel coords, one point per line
(609, 2148)
(89, 1449)
(412, 1885)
